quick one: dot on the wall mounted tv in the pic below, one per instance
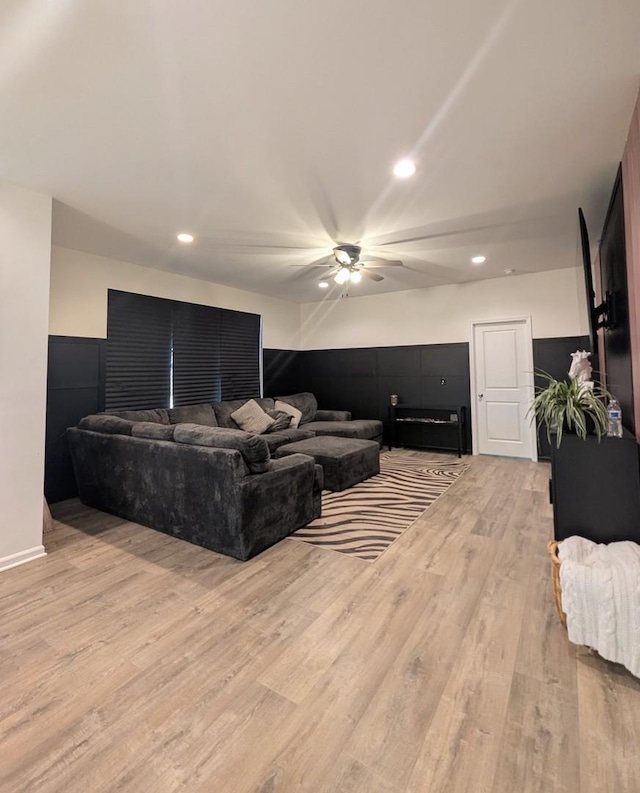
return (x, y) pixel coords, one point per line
(600, 315)
(616, 338)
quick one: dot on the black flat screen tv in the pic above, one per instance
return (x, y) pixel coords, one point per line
(592, 309)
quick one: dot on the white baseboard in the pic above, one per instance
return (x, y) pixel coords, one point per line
(14, 559)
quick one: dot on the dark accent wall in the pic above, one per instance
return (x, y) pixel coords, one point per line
(75, 388)
(361, 380)
(554, 357)
(280, 372)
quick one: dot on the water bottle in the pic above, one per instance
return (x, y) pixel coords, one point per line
(614, 429)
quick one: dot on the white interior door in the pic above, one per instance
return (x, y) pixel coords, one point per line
(503, 369)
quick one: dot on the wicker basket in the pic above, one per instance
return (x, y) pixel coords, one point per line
(552, 547)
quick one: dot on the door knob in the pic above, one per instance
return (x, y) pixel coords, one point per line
(480, 396)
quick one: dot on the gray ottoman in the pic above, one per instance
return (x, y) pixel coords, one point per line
(345, 461)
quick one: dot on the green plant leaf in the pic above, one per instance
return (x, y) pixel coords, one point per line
(560, 403)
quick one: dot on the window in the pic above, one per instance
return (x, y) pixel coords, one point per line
(165, 353)
(138, 352)
(196, 354)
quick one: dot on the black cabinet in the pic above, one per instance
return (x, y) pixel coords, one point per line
(595, 488)
(430, 420)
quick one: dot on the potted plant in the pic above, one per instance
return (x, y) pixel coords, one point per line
(570, 406)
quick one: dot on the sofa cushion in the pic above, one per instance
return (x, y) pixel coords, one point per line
(281, 420)
(296, 415)
(305, 402)
(366, 429)
(157, 415)
(253, 448)
(113, 425)
(223, 411)
(276, 439)
(250, 417)
(149, 429)
(333, 415)
(193, 414)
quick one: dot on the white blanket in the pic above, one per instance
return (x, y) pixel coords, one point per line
(601, 598)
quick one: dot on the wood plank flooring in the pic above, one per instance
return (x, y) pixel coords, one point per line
(130, 661)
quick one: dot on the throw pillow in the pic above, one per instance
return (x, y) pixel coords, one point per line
(293, 412)
(281, 420)
(305, 402)
(252, 418)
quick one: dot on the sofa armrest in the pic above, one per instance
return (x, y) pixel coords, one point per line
(292, 460)
(333, 415)
(288, 493)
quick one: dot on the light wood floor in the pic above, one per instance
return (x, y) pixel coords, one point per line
(130, 661)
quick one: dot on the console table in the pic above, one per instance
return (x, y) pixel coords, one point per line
(441, 416)
(595, 488)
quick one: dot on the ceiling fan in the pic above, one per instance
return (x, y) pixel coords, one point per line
(349, 267)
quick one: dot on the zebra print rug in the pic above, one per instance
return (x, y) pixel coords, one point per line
(364, 520)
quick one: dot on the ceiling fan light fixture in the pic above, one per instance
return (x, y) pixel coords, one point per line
(342, 256)
(404, 168)
(355, 277)
(343, 275)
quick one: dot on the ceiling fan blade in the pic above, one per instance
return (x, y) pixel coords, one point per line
(322, 262)
(382, 262)
(370, 276)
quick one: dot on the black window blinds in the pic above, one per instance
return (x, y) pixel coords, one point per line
(165, 352)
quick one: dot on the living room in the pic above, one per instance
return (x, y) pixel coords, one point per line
(139, 661)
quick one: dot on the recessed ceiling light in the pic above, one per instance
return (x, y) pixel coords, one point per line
(184, 237)
(479, 259)
(404, 168)
(323, 284)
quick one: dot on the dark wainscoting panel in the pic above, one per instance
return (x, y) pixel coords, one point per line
(280, 371)
(361, 380)
(75, 388)
(554, 357)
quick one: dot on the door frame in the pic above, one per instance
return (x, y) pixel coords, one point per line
(529, 385)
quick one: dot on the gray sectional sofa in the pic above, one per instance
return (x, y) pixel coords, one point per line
(192, 473)
(214, 487)
(331, 422)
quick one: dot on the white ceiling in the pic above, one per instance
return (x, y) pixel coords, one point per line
(270, 129)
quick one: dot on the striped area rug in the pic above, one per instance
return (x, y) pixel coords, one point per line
(364, 520)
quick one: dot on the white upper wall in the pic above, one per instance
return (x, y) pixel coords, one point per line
(25, 230)
(555, 300)
(79, 284)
